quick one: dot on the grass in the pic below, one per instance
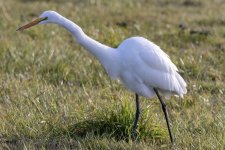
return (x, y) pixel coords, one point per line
(55, 95)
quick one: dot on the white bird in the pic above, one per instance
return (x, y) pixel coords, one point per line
(137, 62)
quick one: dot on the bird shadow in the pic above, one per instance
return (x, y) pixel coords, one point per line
(116, 123)
(99, 128)
(114, 129)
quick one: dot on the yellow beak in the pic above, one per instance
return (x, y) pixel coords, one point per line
(33, 23)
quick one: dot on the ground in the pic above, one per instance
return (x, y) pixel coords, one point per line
(55, 95)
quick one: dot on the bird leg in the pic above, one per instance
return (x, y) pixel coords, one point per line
(164, 108)
(134, 132)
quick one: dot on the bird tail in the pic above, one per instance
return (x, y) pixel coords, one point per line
(182, 85)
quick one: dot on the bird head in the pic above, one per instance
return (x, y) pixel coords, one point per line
(45, 17)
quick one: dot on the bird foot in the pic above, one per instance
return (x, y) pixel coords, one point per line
(134, 135)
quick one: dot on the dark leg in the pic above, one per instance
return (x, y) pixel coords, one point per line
(165, 113)
(134, 132)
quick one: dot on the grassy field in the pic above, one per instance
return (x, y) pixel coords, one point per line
(55, 95)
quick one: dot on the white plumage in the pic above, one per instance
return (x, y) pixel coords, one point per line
(140, 64)
(145, 66)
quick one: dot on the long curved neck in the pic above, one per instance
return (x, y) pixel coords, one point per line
(106, 55)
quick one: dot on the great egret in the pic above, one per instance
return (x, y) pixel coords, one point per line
(138, 63)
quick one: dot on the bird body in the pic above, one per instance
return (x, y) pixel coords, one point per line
(144, 66)
(140, 65)
(137, 62)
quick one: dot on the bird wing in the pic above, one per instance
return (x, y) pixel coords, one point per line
(149, 65)
(154, 57)
(163, 72)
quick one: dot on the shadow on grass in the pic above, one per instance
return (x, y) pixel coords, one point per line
(116, 130)
(117, 124)
(113, 123)
(89, 132)
(99, 128)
